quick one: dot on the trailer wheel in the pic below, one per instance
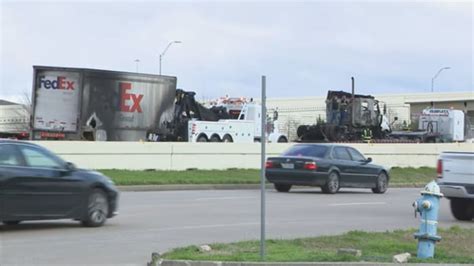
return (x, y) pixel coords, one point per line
(202, 138)
(227, 138)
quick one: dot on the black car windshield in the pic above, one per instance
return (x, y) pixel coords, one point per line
(307, 150)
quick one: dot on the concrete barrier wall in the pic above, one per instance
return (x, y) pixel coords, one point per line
(180, 156)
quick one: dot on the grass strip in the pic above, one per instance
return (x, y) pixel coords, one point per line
(457, 246)
(410, 176)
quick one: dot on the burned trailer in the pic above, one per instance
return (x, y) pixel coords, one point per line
(349, 117)
(99, 105)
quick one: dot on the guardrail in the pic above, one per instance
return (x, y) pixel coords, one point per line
(180, 156)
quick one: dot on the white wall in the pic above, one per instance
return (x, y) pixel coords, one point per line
(179, 156)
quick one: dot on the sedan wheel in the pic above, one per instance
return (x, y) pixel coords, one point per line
(282, 187)
(332, 185)
(382, 184)
(97, 209)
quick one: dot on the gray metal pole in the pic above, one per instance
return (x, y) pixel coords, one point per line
(262, 171)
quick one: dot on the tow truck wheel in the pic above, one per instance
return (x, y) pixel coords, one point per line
(215, 139)
(201, 138)
(227, 138)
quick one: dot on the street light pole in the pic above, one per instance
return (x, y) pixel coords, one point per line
(136, 64)
(164, 51)
(435, 76)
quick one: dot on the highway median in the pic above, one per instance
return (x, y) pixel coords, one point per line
(234, 178)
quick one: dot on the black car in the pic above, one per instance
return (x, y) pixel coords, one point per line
(35, 184)
(327, 166)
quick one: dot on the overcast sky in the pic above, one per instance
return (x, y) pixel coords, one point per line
(304, 48)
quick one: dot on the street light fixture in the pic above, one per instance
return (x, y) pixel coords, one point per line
(437, 74)
(164, 51)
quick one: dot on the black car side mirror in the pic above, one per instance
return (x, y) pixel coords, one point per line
(70, 166)
(368, 160)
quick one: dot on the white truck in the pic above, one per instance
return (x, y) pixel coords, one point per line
(246, 128)
(230, 120)
(456, 180)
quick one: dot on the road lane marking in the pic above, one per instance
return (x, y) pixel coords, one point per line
(357, 203)
(225, 198)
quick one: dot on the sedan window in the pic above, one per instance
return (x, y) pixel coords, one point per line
(8, 155)
(318, 151)
(356, 156)
(341, 153)
(37, 158)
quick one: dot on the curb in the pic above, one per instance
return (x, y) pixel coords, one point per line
(221, 263)
(177, 187)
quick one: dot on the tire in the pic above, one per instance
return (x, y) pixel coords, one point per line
(97, 209)
(462, 209)
(381, 185)
(11, 222)
(282, 140)
(201, 138)
(332, 185)
(227, 138)
(282, 187)
(215, 139)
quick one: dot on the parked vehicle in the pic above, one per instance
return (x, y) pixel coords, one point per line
(327, 166)
(456, 181)
(436, 125)
(89, 104)
(226, 122)
(35, 184)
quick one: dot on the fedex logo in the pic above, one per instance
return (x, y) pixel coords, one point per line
(129, 102)
(61, 83)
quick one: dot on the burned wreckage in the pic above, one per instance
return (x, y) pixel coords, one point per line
(349, 117)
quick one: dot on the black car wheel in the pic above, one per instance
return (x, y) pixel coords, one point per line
(282, 187)
(381, 185)
(462, 209)
(332, 185)
(11, 222)
(97, 209)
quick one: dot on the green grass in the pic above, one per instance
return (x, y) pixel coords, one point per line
(457, 246)
(411, 176)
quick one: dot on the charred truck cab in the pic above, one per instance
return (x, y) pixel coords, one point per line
(349, 116)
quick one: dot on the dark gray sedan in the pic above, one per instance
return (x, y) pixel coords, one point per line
(327, 166)
(35, 184)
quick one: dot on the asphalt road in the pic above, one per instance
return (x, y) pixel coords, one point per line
(158, 221)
